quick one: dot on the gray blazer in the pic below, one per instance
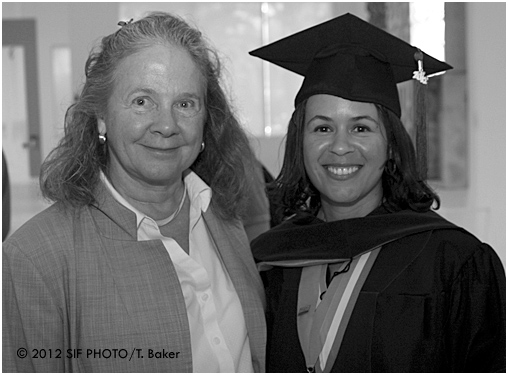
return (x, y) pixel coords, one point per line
(80, 294)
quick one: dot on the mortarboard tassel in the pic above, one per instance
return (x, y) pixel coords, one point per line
(420, 118)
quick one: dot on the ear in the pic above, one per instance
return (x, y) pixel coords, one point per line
(101, 126)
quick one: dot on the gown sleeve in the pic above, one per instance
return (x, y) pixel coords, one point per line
(476, 334)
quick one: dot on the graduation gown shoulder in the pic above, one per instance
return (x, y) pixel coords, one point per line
(434, 300)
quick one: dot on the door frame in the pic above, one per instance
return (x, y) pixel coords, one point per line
(22, 32)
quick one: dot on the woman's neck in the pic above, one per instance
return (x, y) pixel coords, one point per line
(155, 201)
(334, 212)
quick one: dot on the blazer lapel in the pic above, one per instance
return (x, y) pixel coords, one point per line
(232, 244)
(145, 281)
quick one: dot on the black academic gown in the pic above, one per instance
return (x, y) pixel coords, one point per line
(434, 300)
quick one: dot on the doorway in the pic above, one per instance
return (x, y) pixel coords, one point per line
(20, 100)
(20, 118)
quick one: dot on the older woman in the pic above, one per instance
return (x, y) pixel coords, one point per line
(362, 276)
(142, 263)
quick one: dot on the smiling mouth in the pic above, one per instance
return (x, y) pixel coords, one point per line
(159, 149)
(342, 171)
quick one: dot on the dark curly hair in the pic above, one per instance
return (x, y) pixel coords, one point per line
(71, 172)
(293, 192)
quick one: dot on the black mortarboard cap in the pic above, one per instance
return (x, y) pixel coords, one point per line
(349, 58)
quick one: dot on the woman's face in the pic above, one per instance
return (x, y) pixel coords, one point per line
(345, 150)
(155, 117)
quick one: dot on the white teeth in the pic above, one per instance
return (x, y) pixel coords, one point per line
(342, 171)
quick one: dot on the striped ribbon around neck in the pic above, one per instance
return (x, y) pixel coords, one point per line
(323, 313)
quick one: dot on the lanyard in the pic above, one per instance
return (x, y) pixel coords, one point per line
(322, 323)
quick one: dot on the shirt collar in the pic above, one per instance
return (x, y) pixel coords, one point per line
(200, 195)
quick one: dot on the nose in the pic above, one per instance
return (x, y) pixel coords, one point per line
(165, 123)
(341, 143)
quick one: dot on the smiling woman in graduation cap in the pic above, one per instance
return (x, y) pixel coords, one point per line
(362, 275)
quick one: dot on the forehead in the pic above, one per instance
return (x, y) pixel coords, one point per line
(334, 106)
(163, 67)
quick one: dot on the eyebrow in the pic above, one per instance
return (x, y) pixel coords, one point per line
(366, 117)
(153, 92)
(356, 118)
(190, 95)
(142, 90)
(319, 117)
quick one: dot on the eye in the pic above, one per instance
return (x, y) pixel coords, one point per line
(188, 107)
(186, 104)
(322, 129)
(142, 103)
(361, 129)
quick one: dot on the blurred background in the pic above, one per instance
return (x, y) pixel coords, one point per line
(45, 46)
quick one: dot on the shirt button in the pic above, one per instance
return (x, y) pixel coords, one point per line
(204, 297)
(216, 340)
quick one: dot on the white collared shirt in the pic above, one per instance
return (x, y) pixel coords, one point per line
(218, 333)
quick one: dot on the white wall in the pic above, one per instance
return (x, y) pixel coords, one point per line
(486, 61)
(481, 207)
